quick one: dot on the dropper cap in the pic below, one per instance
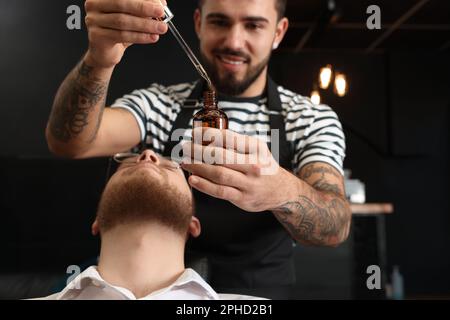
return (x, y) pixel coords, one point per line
(209, 99)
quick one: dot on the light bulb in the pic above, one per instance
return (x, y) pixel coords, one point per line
(315, 97)
(340, 84)
(325, 76)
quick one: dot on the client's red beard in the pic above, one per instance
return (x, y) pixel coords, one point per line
(140, 198)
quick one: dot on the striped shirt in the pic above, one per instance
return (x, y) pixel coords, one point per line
(313, 132)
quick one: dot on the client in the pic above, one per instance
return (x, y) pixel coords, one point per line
(145, 216)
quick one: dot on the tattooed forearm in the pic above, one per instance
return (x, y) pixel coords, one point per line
(318, 169)
(319, 214)
(77, 98)
(315, 220)
(328, 187)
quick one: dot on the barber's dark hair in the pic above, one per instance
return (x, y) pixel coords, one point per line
(280, 6)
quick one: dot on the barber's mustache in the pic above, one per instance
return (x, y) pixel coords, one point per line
(231, 52)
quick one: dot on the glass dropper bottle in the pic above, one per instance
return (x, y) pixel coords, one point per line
(210, 116)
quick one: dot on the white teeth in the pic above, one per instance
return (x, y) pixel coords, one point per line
(231, 61)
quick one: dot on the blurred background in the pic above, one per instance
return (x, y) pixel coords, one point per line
(395, 113)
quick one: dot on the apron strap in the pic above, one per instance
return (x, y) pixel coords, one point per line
(276, 121)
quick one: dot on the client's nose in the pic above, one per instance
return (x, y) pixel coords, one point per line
(148, 156)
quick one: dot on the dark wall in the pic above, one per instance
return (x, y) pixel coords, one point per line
(418, 174)
(396, 119)
(37, 51)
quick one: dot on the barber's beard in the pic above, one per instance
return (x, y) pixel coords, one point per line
(140, 198)
(228, 84)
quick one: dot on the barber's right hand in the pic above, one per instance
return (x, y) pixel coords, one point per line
(114, 25)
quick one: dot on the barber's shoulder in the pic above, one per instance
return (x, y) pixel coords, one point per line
(175, 93)
(179, 90)
(295, 102)
(290, 98)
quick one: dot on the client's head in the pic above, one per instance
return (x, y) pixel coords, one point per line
(148, 189)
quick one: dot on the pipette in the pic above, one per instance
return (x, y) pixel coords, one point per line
(168, 16)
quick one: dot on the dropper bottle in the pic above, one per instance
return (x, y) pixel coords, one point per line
(210, 116)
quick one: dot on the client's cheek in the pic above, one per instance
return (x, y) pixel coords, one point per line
(179, 182)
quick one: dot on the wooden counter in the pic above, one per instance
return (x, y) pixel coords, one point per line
(371, 208)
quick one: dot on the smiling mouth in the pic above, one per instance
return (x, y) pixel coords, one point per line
(234, 60)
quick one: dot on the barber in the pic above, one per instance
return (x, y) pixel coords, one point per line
(249, 218)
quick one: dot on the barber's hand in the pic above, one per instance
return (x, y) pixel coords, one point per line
(245, 173)
(114, 25)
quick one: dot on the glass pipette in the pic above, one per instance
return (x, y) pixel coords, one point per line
(168, 19)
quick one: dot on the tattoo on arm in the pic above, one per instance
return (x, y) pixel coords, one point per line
(322, 183)
(313, 221)
(318, 169)
(320, 215)
(328, 187)
(75, 101)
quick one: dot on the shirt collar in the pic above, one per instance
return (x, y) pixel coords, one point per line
(190, 276)
(91, 277)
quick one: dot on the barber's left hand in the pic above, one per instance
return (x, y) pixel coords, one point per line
(244, 170)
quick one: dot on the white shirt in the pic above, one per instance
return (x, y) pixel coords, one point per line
(89, 285)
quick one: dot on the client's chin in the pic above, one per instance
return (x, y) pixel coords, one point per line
(140, 197)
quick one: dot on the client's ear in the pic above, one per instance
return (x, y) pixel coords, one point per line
(94, 228)
(194, 227)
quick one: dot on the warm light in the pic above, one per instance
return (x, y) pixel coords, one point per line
(315, 97)
(340, 84)
(325, 77)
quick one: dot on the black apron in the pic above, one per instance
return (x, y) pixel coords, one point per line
(247, 252)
